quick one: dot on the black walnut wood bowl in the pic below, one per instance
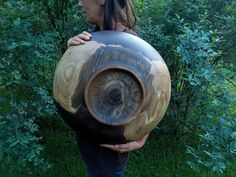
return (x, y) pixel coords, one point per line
(116, 86)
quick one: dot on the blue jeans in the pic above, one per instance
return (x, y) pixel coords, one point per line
(118, 173)
(100, 161)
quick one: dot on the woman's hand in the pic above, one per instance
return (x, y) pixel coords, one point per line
(128, 146)
(79, 39)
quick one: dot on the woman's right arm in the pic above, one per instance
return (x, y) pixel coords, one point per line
(79, 39)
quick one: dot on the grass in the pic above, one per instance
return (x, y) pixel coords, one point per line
(162, 156)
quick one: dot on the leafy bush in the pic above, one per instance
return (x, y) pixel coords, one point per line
(190, 36)
(27, 63)
(195, 38)
(33, 38)
(209, 90)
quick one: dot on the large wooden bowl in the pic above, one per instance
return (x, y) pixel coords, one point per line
(116, 86)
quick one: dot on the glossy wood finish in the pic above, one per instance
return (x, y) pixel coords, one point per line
(120, 80)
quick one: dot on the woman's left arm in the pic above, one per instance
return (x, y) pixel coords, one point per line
(131, 146)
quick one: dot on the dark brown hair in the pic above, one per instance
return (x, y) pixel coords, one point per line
(119, 11)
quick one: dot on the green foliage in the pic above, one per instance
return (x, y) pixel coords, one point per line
(33, 38)
(218, 146)
(26, 61)
(190, 36)
(195, 38)
(63, 18)
(162, 156)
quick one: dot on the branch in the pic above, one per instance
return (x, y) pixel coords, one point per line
(230, 81)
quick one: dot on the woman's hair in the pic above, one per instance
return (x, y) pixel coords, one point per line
(119, 11)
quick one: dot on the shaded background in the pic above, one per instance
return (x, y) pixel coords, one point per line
(197, 40)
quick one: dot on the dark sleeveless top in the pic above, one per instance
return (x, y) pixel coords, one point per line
(96, 158)
(74, 122)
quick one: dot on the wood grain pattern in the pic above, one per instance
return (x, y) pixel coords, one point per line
(67, 74)
(116, 82)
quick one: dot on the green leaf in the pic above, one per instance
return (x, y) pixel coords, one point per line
(25, 43)
(3, 122)
(13, 82)
(12, 46)
(13, 144)
(17, 22)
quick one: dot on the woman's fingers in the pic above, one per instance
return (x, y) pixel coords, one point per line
(117, 147)
(128, 146)
(79, 39)
(75, 41)
(87, 34)
(84, 37)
